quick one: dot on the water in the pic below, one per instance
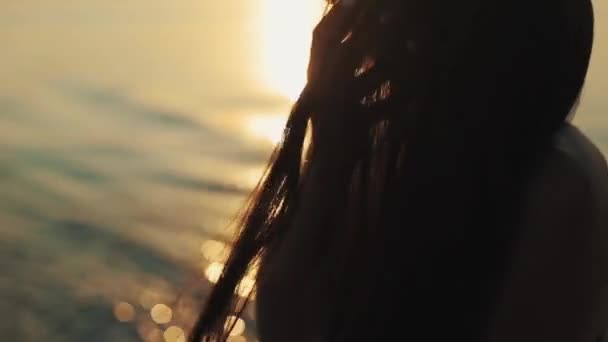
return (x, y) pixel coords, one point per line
(124, 145)
(127, 138)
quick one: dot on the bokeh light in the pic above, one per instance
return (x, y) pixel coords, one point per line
(246, 286)
(214, 271)
(215, 251)
(161, 314)
(174, 334)
(239, 325)
(124, 312)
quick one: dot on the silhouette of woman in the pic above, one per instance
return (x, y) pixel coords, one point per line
(444, 194)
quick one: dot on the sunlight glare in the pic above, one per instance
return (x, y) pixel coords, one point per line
(286, 36)
(269, 128)
(215, 251)
(253, 176)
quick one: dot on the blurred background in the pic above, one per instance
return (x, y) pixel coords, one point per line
(130, 133)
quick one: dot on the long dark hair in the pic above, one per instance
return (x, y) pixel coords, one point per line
(432, 157)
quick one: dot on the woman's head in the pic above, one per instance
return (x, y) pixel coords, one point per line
(508, 58)
(441, 109)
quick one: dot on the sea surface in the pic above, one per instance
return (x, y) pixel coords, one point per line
(130, 133)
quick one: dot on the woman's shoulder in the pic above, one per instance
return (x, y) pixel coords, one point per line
(578, 158)
(570, 185)
(557, 275)
(574, 173)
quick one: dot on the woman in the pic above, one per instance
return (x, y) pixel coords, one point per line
(444, 193)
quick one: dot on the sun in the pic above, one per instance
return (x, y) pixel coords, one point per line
(286, 36)
(286, 32)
